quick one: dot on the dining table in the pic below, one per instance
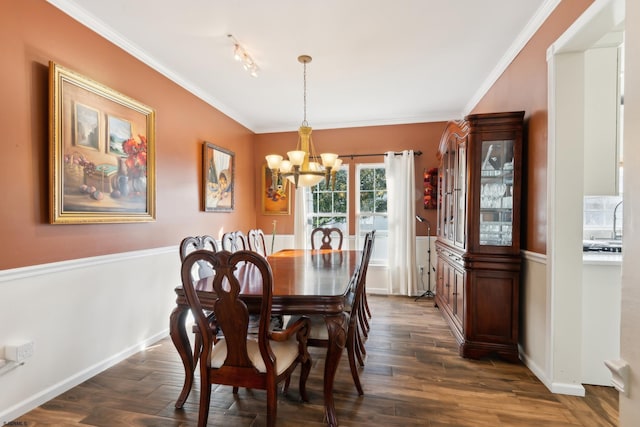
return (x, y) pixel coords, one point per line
(305, 282)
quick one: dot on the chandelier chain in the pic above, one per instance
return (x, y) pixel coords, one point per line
(304, 78)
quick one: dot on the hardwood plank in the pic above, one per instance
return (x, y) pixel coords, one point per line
(413, 377)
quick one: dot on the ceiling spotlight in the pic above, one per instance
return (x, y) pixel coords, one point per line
(241, 54)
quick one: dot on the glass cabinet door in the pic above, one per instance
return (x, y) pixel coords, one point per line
(460, 194)
(449, 208)
(496, 196)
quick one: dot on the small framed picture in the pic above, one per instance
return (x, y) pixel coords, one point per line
(276, 198)
(217, 178)
(87, 127)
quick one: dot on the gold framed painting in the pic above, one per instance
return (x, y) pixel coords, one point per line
(218, 166)
(276, 199)
(102, 152)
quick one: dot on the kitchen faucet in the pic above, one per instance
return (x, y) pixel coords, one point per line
(616, 236)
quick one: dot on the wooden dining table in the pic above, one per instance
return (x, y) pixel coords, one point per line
(306, 282)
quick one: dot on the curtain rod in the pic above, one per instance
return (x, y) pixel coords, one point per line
(351, 156)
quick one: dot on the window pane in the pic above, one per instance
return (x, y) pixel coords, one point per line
(340, 202)
(366, 179)
(366, 224)
(328, 205)
(366, 201)
(325, 203)
(380, 179)
(330, 221)
(341, 180)
(381, 201)
(378, 223)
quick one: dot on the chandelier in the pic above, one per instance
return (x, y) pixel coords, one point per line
(302, 167)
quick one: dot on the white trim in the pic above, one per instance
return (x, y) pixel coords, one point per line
(551, 184)
(599, 18)
(523, 38)
(568, 389)
(534, 257)
(57, 267)
(55, 390)
(534, 368)
(99, 27)
(559, 388)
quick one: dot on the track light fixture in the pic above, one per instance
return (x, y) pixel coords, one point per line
(241, 54)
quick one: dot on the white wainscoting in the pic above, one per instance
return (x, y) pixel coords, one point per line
(422, 260)
(83, 316)
(87, 315)
(536, 348)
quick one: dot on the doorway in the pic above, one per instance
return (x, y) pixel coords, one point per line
(566, 71)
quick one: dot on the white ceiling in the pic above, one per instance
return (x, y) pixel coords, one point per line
(375, 62)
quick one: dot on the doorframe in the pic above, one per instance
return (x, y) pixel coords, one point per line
(565, 59)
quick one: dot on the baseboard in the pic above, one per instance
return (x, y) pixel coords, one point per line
(55, 390)
(554, 387)
(534, 368)
(568, 389)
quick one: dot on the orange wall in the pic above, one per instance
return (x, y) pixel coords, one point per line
(424, 137)
(32, 33)
(523, 86)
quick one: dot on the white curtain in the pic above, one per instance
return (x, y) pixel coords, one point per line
(300, 219)
(400, 172)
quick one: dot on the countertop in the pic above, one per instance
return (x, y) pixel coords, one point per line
(602, 258)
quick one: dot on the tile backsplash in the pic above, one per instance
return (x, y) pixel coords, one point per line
(597, 222)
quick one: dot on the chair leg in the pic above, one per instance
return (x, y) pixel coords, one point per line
(305, 369)
(205, 398)
(272, 404)
(235, 390)
(197, 348)
(285, 385)
(351, 349)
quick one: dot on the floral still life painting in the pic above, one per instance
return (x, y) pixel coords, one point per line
(218, 178)
(101, 153)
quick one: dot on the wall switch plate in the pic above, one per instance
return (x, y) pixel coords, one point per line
(19, 352)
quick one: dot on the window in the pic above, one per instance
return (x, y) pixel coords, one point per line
(371, 208)
(602, 217)
(328, 207)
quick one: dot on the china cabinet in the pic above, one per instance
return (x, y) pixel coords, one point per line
(478, 232)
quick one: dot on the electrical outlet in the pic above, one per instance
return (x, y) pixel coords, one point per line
(19, 352)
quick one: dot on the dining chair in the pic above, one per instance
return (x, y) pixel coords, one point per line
(362, 332)
(193, 243)
(365, 310)
(319, 335)
(234, 241)
(240, 359)
(199, 271)
(256, 241)
(326, 238)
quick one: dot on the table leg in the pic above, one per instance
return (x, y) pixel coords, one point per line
(181, 341)
(337, 328)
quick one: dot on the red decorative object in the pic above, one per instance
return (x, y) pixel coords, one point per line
(430, 188)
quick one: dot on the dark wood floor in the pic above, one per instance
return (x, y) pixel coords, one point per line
(413, 377)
